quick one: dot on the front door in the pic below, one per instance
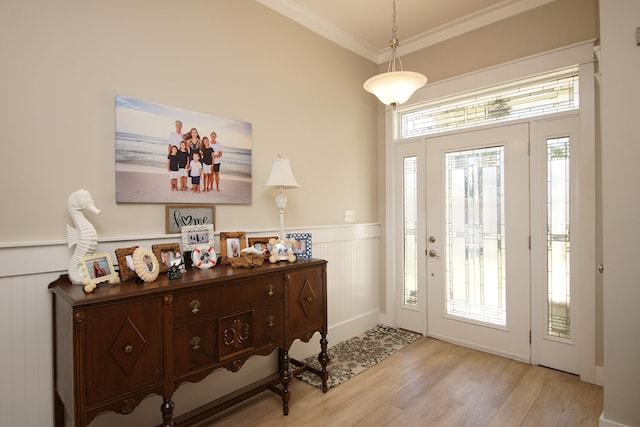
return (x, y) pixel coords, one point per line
(477, 246)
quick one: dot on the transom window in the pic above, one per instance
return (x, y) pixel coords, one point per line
(551, 93)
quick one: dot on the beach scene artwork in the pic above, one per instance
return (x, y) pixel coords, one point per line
(142, 154)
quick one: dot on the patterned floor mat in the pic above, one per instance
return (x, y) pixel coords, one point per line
(351, 357)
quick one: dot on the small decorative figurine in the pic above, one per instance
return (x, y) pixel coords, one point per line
(84, 236)
(173, 272)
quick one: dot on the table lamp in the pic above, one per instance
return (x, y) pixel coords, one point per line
(281, 177)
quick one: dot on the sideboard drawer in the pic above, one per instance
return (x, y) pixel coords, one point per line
(195, 305)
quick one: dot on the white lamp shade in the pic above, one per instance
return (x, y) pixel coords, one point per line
(395, 87)
(281, 175)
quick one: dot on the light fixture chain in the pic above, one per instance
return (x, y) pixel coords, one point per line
(394, 28)
(395, 54)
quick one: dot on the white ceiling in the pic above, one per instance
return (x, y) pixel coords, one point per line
(364, 26)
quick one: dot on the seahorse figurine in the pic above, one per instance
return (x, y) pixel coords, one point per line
(84, 236)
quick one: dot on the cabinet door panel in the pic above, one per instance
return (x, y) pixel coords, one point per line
(306, 302)
(194, 347)
(123, 348)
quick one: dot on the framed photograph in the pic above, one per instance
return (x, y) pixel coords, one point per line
(165, 253)
(97, 268)
(124, 256)
(231, 243)
(204, 257)
(301, 245)
(146, 264)
(262, 244)
(282, 251)
(151, 138)
(178, 216)
(196, 235)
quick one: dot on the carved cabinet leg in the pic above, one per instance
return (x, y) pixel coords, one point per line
(167, 413)
(324, 359)
(285, 379)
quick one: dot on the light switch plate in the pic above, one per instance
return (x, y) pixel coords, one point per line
(349, 215)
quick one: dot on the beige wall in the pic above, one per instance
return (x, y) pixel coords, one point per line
(65, 61)
(556, 24)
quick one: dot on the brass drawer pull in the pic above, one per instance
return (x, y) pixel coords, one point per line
(195, 306)
(269, 290)
(128, 349)
(309, 299)
(195, 343)
(270, 320)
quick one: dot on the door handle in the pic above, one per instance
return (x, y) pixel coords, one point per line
(433, 254)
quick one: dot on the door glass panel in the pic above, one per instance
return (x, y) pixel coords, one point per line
(474, 235)
(410, 227)
(558, 238)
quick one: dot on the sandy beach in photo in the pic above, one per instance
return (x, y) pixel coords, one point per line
(139, 184)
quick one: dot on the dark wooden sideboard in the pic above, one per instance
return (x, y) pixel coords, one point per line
(121, 343)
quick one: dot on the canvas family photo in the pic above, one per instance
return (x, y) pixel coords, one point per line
(171, 155)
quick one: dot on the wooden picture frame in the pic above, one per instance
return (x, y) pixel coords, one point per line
(165, 252)
(301, 245)
(97, 268)
(262, 244)
(124, 257)
(231, 243)
(196, 235)
(178, 216)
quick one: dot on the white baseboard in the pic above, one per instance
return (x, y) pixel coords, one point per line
(336, 334)
(608, 423)
(600, 375)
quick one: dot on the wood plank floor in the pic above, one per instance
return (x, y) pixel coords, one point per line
(432, 383)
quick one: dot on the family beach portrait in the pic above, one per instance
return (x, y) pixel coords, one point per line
(171, 155)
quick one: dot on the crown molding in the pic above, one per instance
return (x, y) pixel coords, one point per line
(293, 10)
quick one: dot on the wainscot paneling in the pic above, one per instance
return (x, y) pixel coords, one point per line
(26, 269)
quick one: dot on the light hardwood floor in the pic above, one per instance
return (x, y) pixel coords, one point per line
(432, 383)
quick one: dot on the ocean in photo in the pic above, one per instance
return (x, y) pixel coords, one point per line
(149, 151)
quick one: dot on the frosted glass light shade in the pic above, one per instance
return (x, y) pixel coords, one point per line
(281, 175)
(395, 87)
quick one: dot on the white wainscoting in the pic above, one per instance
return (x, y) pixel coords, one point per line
(26, 269)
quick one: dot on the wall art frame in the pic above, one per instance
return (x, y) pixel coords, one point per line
(165, 252)
(195, 235)
(301, 245)
(178, 216)
(142, 147)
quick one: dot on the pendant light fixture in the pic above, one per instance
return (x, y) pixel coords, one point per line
(395, 87)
